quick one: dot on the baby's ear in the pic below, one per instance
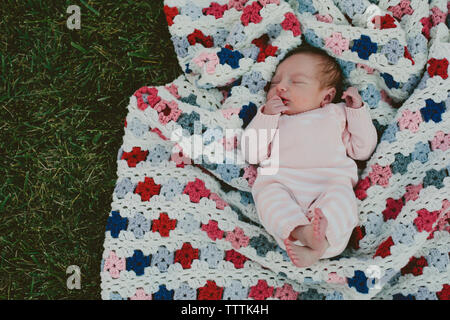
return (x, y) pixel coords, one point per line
(330, 93)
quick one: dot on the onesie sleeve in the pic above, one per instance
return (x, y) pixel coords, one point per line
(360, 135)
(256, 138)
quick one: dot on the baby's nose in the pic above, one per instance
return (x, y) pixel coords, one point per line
(281, 88)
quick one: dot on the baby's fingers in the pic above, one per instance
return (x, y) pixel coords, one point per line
(275, 99)
(275, 106)
(282, 109)
(347, 93)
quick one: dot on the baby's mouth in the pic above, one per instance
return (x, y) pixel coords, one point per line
(284, 100)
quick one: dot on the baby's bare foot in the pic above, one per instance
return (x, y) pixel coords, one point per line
(302, 257)
(320, 224)
(312, 235)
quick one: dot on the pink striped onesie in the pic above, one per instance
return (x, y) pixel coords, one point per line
(312, 168)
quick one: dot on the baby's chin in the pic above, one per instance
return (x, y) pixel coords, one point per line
(290, 112)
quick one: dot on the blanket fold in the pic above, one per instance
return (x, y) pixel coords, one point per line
(183, 223)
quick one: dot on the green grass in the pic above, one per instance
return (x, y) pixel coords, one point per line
(63, 99)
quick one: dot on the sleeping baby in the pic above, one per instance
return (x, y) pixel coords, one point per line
(308, 204)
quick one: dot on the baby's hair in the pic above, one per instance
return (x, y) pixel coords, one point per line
(331, 73)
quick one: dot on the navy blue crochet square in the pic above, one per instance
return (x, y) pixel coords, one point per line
(399, 296)
(163, 294)
(433, 111)
(138, 262)
(230, 57)
(247, 113)
(359, 282)
(364, 47)
(116, 223)
(389, 80)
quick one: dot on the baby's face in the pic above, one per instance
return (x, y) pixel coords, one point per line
(296, 82)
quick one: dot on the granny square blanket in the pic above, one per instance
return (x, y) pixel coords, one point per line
(183, 223)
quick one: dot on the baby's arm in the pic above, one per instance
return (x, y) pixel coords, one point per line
(360, 135)
(256, 139)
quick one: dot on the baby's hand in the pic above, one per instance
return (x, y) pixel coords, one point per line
(274, 106)
(352, 98)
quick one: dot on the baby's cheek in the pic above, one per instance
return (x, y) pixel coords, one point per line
(270, 94)
(303, 99)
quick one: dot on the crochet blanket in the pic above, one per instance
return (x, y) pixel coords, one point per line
(183, 223)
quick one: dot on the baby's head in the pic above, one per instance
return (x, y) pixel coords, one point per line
(306, 79)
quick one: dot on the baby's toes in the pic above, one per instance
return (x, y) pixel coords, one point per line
(320, 223)
(316, 224)
(319, 214)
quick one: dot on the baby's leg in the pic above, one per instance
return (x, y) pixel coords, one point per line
(278, 212)
(313, 237)
(338, 205)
